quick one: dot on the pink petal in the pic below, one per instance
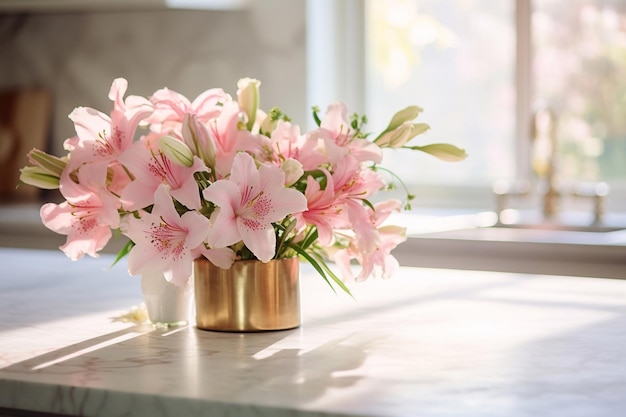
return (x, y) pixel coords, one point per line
(136, 159)
(364, 150)
(261, 242)
(245, 174)
(89, 123)
(224, 231)
(188, 193)
(164, 205)
(285, 202)
(336, 118)
(117, 91)
(180, 271)
(144, 259)
(220, 257)
(205, 105)
(138, 195)
(197, 226)
(271, 178)
(223, 193)
(78, 244)
(57, 217)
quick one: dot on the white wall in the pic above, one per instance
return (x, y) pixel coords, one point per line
(77, 55)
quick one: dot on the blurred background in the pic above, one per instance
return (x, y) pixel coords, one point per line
(532, 89)
(73, 50)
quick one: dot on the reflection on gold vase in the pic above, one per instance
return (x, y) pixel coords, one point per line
(250, 296)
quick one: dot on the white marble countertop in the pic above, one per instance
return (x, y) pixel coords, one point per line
(429, 342)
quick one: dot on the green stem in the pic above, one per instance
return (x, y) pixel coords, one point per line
(393, 174)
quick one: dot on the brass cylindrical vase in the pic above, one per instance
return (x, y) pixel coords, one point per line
(250, 296)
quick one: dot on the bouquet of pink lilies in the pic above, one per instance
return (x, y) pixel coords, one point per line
(219, 178)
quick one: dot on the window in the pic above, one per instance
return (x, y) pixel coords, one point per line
(579, 67)
(481, 69)
(456, 59)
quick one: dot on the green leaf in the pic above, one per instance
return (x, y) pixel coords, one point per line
(313, 262)
(443, 151)
(316, 117)
(308, 241)
(322, 269)
(285, 233)
(334, 277)
(368, 203)
(123, 252)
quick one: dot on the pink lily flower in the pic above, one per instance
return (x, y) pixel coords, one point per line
(171, 108)
(151, 168)
(378, 258)
(229, 138)
(335, 130)
(324, 211)
(249, 201)
(320, 150)
(100, 137)
(353, 184)
(367, 227)
(380, 261)
(88, 214)
(285, 142)
(383, 210)
(164, 240)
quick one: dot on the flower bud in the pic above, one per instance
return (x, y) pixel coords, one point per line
(443, 151)
(197, 137)
(39, 178)
(399, 119)
(403, 116)
(248, 99)
(266, 124)
(395, 138)
(401, 135)
(293, 171)
(48, 163)
(176, 151)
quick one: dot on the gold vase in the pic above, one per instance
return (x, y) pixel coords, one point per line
(250, 296)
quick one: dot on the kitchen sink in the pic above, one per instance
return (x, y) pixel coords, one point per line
(557, 227)
(479, 242)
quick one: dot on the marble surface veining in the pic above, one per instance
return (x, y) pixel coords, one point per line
(424, 343)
